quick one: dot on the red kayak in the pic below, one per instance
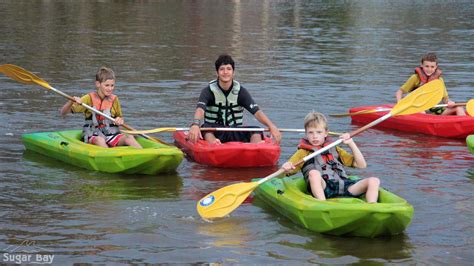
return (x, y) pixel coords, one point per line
(229, 154)
(449, 126)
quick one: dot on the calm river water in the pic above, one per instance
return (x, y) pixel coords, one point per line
(294, 57)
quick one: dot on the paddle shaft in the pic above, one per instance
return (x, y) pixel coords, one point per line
(24, 76)
(369, 111)
(295, 130)
(333, 144)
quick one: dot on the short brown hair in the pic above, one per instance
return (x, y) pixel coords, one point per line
(431, 57)
(104, 74)
(315, 119)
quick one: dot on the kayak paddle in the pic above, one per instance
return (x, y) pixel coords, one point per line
(244, 129)
(470, 107)
(381, 109)
(224, 200)
(24, 76)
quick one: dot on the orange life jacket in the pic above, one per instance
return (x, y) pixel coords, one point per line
(103, 105)
(98, 125)
(425, 78)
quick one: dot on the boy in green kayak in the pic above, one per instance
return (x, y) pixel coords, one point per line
(98, 130)
(426, 72)
(324, 174)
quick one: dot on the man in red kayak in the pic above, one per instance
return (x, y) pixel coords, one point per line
(426, 72)
(222, 103)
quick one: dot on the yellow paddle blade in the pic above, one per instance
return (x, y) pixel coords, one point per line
(150, 131)
(470, 107)
(22, 75)
(223, 201)
(420, 99)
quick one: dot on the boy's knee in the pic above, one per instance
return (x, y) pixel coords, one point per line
(374, 181)
(99, 140)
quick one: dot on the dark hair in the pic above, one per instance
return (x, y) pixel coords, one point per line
(431, 57)
(224, 60)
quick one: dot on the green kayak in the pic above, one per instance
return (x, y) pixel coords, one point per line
(336, 216)
(67, 146)
(470, 143)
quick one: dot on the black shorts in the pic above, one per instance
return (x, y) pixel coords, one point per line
(332, 188)
(228, 136)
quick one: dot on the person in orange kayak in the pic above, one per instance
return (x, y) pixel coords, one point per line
(426, 72)
(98, 130)
(222, 103)
(324, 174)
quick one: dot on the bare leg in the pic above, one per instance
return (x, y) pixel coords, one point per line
(317, 184)
(368, 185)
(100, 141)
(256, 138)
(210, 138)
(458, 110)
(129, 141)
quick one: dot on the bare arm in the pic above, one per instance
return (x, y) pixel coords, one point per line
(195, 130)
(66, 109)
(399, 95)
(262, 118)
(359, 160)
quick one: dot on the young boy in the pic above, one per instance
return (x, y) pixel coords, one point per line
(98, 130)
(426, 72)
(325, 175)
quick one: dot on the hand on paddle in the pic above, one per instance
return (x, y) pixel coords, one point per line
(346, 138)
(77, 100)
(194, 133)
(66, 109)
(118, 121)
(275, 133)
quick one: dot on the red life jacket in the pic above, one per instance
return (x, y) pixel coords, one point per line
(424, 78)
(327, 156)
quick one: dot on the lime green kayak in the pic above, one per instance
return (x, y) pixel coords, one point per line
(66, 146)
(336, 216)
(470, 143)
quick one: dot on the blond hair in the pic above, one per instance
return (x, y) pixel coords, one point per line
(104, 74)
(315, 119)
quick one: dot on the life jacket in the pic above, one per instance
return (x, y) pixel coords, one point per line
(226, 111)
(327, 163)
(424, 78)
(98, 125)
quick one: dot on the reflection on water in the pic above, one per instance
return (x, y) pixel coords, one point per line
(294, 57)
(92, 186)
(226, 232)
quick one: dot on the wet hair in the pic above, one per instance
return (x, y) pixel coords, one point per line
(104, 74)
(431, 57)
(315, 119)
(224, 60)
